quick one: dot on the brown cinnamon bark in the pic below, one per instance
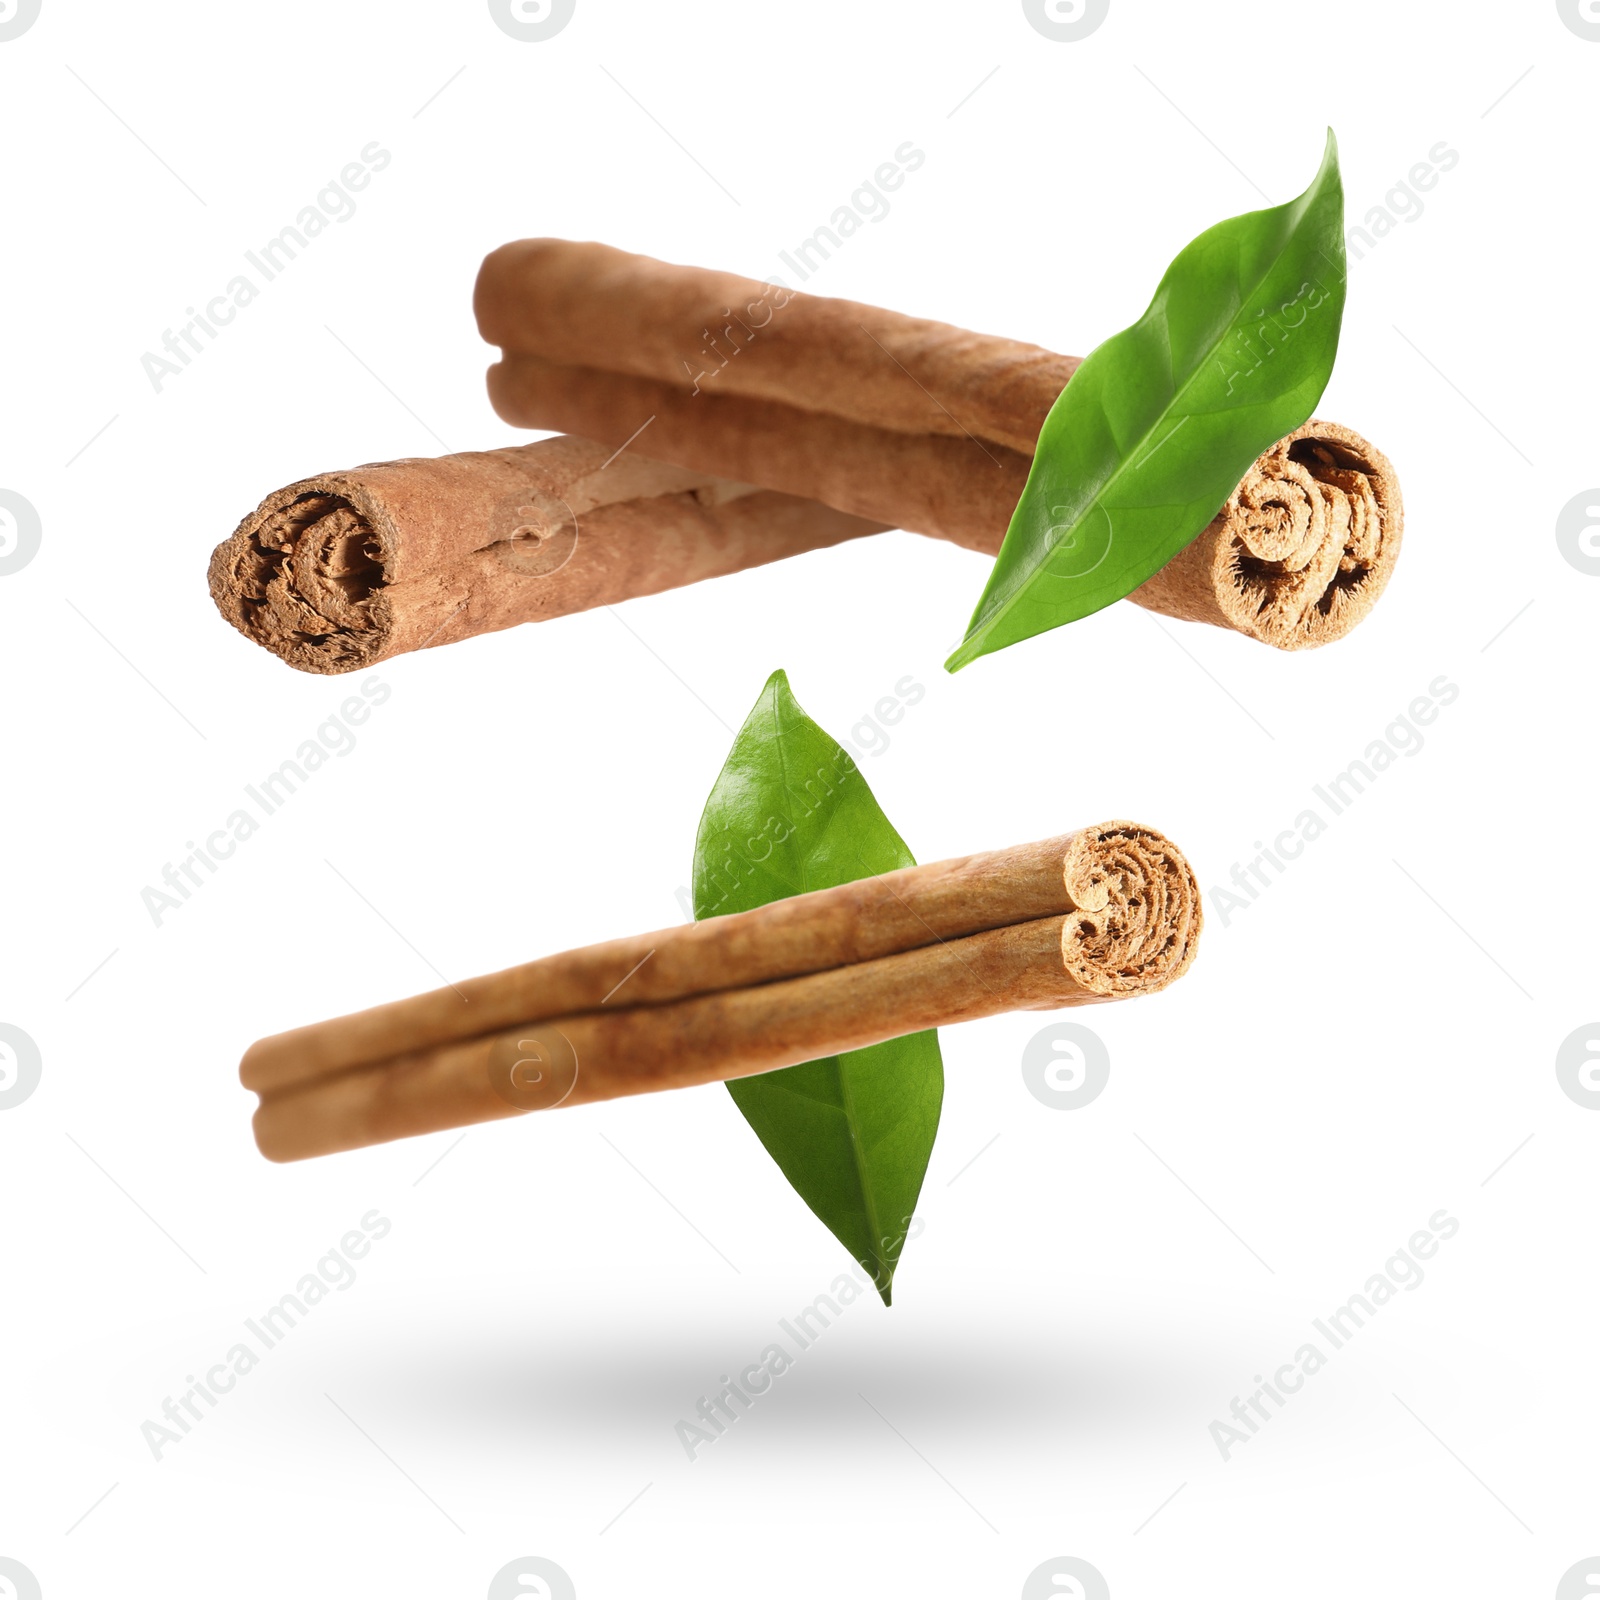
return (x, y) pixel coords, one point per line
(906, 421)
(1302, 550)
(734, 1033)
(588, 305)
(857, 921)
(346, 569)
(951, 488)
(801, 978)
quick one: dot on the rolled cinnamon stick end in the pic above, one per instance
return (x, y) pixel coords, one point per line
(1143, 937)
(1301, 551)
(1132, 930)
(346, 569)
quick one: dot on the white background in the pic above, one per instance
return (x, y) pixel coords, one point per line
(1372, 1040)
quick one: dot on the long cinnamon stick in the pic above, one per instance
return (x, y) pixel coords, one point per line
(589, 305)
(733, 1033)
(345, 569)
(859, 921)
(949, 488)
(1099, 915)
(909, 422)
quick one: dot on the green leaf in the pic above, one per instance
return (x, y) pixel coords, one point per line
(791, 812)
(1160, 423)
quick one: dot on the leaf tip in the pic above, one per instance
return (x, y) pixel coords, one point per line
(963, 655)
(777, 695)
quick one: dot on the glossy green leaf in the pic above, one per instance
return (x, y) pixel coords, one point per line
(1160, 423)
(790, 813)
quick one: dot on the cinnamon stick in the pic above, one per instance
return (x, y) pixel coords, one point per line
(857, 921)
(931, 483)
(589, 305)
(1102, 914)
(345, 569)
(906, 421)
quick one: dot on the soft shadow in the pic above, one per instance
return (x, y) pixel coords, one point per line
(981, 1383)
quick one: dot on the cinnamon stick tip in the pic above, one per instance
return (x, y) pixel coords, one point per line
(304, 575)
(1143, 934)
(268, 1132)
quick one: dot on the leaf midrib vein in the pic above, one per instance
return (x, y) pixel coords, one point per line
(846, 1099)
